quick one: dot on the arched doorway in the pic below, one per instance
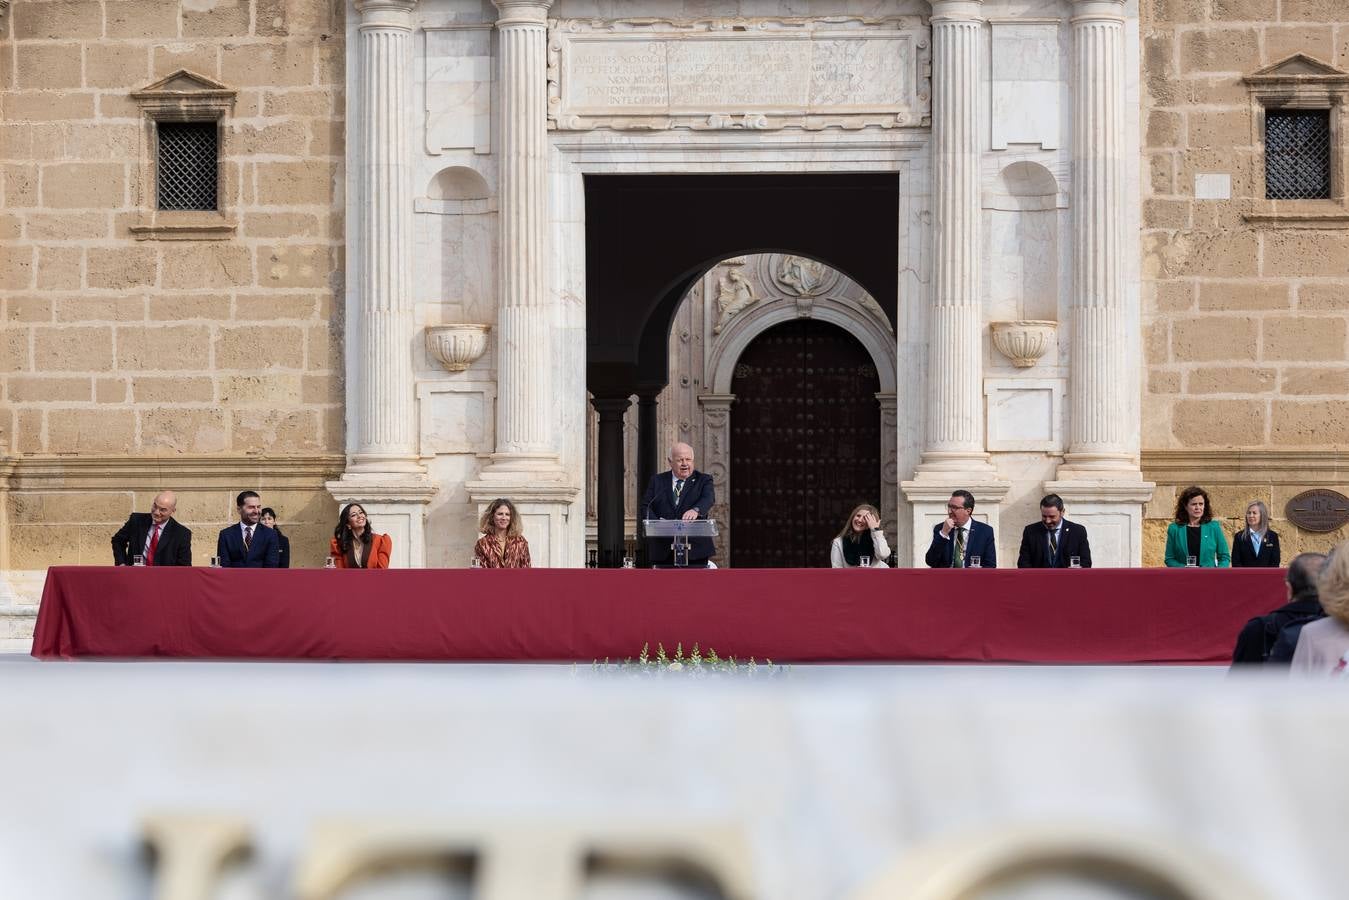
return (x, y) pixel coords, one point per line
(805, 443)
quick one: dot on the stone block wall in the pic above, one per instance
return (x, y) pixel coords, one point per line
(1245, 329)
(139, 363)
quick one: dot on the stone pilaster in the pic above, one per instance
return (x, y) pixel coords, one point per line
(526, 462)
(386, 421)
(383, 472)
(1101, 417)
(955, 429)
(716, 462)
(1100, 479)
(953, 454)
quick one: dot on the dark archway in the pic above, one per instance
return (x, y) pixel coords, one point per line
(805, 443)
(650, 237)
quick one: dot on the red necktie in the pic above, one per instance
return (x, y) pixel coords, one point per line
(154, 543)
(248, 537)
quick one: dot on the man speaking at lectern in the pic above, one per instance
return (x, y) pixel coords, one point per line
(681, 493)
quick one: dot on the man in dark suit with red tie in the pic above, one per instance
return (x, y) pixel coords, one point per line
(681, 493)
(249, 544)
(156, 536)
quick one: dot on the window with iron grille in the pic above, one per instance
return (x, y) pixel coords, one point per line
(187, 165)
(1297, 154)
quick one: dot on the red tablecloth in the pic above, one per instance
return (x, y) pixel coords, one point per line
(802, 615)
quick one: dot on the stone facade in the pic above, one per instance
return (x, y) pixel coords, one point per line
(143, 350)
(215, 352)
(1244, 300)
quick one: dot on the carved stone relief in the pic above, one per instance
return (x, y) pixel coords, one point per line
(738, 73)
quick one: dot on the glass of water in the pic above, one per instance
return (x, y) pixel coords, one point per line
(330, 563)
(475, 563)
(138, 560)
(215, 562)
(976, 562)
(629, 562)
(1074, 562)
(1191, 562)
(864, 562)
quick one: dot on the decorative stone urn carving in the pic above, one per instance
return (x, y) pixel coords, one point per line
(1024, 342)
(457, 346)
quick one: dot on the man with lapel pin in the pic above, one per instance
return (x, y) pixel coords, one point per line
(1052, 542)
(958, 539)
(157, 536)
(248, 545)
(681, 493)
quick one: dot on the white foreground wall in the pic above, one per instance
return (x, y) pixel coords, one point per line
(822, 783)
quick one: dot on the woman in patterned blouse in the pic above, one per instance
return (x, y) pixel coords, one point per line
(501, 546)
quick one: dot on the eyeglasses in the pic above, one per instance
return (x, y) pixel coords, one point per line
(953, 507)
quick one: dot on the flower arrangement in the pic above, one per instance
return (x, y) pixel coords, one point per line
(697, 663)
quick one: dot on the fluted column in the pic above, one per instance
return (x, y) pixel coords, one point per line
(524, 351)
(384, 473)
(1102, 419)
(526, 465)
(1100, 478)
(953, 452)
(386, 424)
(955, 431)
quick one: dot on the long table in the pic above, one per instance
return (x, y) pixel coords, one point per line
(786, 615)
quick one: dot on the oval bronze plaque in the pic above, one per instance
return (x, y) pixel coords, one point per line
(1318, 510)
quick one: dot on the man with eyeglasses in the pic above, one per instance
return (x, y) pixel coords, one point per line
(959, 542)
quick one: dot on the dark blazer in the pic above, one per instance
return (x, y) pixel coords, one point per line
(1035, 547)
(263, 551)
(659, 503)
(979, 543)
(1257, 640)
(283, 546)
(1243, 550)
(174, 547)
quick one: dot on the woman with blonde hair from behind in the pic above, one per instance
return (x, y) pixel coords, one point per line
(861, 539)
(1323, 646)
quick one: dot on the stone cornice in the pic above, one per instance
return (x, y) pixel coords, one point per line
(1234, 466)
(67, 473)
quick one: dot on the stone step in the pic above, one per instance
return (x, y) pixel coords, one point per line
(20, 593)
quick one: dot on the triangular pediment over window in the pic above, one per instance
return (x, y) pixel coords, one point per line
(1300, 67)
(184, 84)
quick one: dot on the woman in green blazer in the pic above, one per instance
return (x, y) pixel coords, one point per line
(1195, 533)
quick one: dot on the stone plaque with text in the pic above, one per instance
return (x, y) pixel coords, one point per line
(838, 72)
(1319, 510)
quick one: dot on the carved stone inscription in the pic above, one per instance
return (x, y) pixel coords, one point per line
(758, 74)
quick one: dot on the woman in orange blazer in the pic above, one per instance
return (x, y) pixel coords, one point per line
(355, 544)
(501, 546)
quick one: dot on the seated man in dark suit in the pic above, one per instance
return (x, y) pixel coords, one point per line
(681, 493)
(155, 535)
(959, 539)
(248, 545)
(1052, 542)
(1272, 638)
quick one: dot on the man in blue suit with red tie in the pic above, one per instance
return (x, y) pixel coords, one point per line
(249, 544)
(681, 493)
(958, 539)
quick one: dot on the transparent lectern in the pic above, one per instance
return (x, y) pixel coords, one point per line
(681, 531)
